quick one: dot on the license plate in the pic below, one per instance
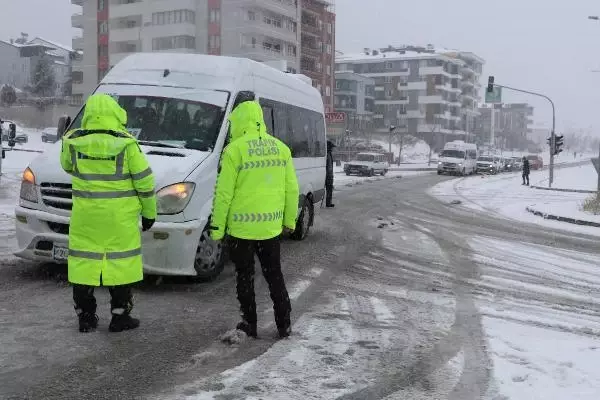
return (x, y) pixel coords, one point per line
(60, 253)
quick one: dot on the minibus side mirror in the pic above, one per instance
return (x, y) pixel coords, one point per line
(63, 125)
(12, 131)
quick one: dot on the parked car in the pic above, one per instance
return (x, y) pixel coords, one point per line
(517, 163)
(535, 162)
(50, 135)
(367, 164)
(488, 164)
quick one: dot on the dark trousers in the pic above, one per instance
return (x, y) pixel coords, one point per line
(121, 299)
(329, 194)
(268, 252)
(525, 179)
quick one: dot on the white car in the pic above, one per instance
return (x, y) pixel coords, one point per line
(489, 164)
(368, 164)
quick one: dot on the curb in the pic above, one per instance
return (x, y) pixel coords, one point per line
(564, 190)
(562, 219)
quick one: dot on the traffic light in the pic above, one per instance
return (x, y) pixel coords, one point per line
(558, 143)
(549, 141)
(490, 87)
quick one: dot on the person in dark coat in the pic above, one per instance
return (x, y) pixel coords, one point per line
(329, 175)
(526, 170)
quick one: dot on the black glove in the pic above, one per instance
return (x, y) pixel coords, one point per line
(147, 224)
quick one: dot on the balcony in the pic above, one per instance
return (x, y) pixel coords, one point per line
(260, 27)
(433, 99)
(311, 51)
(279, 7)
(415, 114)
(311, 29)
(77, 21)
(77, 43)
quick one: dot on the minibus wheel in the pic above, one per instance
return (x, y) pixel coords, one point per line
(210, 257)
(304, 220)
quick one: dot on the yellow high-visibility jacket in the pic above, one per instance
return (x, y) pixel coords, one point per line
(112, 185)
(257, 189)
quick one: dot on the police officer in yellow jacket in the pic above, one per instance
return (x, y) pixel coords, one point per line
(256, 197)
(112, 186)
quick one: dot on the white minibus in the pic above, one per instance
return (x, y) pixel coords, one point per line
(178, 107)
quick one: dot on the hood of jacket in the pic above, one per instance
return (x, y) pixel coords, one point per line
(247, 119)
(101, 112)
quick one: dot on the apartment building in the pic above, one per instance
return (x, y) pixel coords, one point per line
(354, 95)
(422, 91)
(263, 30)
(512, 125)
(318, 47)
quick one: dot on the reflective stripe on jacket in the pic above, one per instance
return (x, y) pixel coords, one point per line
(112, 185)
(257, 189)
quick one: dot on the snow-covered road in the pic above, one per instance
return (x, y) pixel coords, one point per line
(396, 295)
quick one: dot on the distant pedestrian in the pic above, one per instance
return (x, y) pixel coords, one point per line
(112, 185)
(252, 206)
(526, 171)
(329, 175)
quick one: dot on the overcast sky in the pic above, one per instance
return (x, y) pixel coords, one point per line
(541, 45)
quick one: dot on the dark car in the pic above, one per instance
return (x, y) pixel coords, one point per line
(535, 162)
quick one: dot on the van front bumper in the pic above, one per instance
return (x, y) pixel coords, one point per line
(169, 248)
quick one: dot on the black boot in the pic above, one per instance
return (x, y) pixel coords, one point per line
(123, 322)
(284, 332)
(88, 322)
(248, 328)
(330, 205)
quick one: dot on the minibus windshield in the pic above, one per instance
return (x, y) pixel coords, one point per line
(169, 122)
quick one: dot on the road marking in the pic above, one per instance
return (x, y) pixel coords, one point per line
(298, 288)
(382, 312)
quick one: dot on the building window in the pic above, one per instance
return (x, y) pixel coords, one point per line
(319, 67)
(328, 70)
(103, 27)
(274, 21)
(389, 92)
(102, 51)
(327, 91)
(388, 65)
(174, 17)
(101, 5)
(328, 48)
(388, 79)
(214, 41)
(251, 16)
(174, 42)
(215, 15)
(329, 28)
(291, 50)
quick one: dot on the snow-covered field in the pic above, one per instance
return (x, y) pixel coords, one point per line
(583, 177)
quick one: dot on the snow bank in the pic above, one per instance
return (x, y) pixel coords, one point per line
(504, 196)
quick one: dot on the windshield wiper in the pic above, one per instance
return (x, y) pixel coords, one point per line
(158, 144)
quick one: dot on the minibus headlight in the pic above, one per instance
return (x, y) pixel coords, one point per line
(28, 188)
(174, 198)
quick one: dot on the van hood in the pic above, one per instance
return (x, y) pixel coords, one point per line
(451, 160)
(170, 165)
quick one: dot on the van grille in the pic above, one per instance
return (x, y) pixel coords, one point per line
(57, 195)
